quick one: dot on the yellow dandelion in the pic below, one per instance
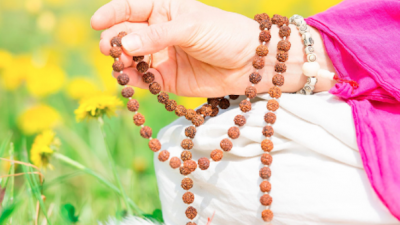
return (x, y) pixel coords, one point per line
(81, 87)
(14, 74)
(97, 106)
(6, 58)
(38, 119)
(43, 148)
(45, 80)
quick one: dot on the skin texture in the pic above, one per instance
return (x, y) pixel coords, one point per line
(199, 50)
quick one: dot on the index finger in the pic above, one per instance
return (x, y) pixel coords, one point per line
(118, 11)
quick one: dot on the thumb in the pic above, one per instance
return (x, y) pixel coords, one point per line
(154, 38)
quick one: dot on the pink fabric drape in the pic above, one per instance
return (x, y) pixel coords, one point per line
(362, 38)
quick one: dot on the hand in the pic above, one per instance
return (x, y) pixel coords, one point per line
(197, 50)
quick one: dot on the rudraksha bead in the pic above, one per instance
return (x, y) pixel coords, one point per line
(190, 131)
(278, 80)
(122, 34)
(214, 102)
(267, 215)
(250, 92)
(240, 120)
(154, 145)
(272, 105)
(265, 172)
(206, 110)
(215, 111)
(163, 98)
(146, 132)
(190, 164)
(265, 24)
(258, 63)
(139, 119)
(262, 50)
(280, 67)
(163, 155)
(180, 110)
(138, 58)
(216, 155)
(170, 105)
(255, 78)
(184, 170)
(188, 197)
(270, 117)
(191, 212)
(266, 200)
(284, 31)
(142, 67)
(187, 144)
(265, 36)
(266, 159)
(268, 131)
(190, 114)
(265, 186)
(191, 223)
(148, 78)
(234, 132)
(187, 183)
(123, 79)
(199, 111)
(224, 103)
(204, 163)
(284, 45)
(267, 145)
(233, 97)
(127, 92)
(118, 66)
(133, 105)
(115, 52)
(275, 18)
(282, 20)
(186, 155)
(197, 120)
(155, 88)
(174, 162)
(260, 17)
(116, 41)
(226, 144)
(245, 106)
(282, 56)
(275, 92)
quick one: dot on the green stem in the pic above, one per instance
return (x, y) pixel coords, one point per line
(113, 169)
(12, 177)
(82, 168)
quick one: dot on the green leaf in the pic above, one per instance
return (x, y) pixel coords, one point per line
(7, 211)
(68, 213)
(157, 214)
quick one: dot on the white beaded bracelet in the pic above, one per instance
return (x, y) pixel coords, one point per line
(311, 68)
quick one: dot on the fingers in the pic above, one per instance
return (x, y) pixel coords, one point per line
(156, 37)
(118, 11)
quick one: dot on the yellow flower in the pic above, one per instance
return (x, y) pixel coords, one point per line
(38, 118)
(45, 80)
(43, 148)
(81, 87)
(96, 106)
(6, 58)
(46, 21)
(15, 71)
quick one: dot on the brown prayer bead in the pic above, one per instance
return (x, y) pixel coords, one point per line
(284, 31)
(188, 197)
(275, 18)
(154, 145)
(275, 92)
(146, 132)
(240, 120)
(280, 67)
(204, 163)
(190, 131)
(191, 223)
(273, 105)
(142, 67)
(155, 88)
(187, 144)
(118, 66)
(245, 106)
(258, 63)
(268, 131)
(262, 50)
(226, 144)
(138, 119)
(282, 20)
(197, 120)
(213, 102)
(116, 41)
(190, 164)
(123, 79)
(266, 159)
(266, 200)
(216, 155)
(267, 215)
(127, 92)
(180, 110)
(163, 155)
(122, 34)
(250, 92)
(267, 145)
(265, 24)
(215, 111)
(174, 162)
(255, 78)
(186, 155)
(163, 98)
(170, 105)
(260, 17)
(265, 186)
(265, 36)
(190, 114)
(233, 97)
(115, 52)
(206, 110)
(138, 58)
(191, 212)
(284, 45)
(224, 103)
(148, 78)
(265, 172)
(187, 183)
(133, 105)
(234, 132)
(270, 117)
(278, 80)
(282, 56)
(184, 170)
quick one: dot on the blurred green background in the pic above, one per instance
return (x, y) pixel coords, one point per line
(49, 60)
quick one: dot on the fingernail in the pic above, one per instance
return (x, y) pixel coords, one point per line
(131, 42)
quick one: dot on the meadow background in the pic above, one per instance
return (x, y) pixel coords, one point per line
(49, 61)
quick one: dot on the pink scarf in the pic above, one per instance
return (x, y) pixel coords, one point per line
(362, 38)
